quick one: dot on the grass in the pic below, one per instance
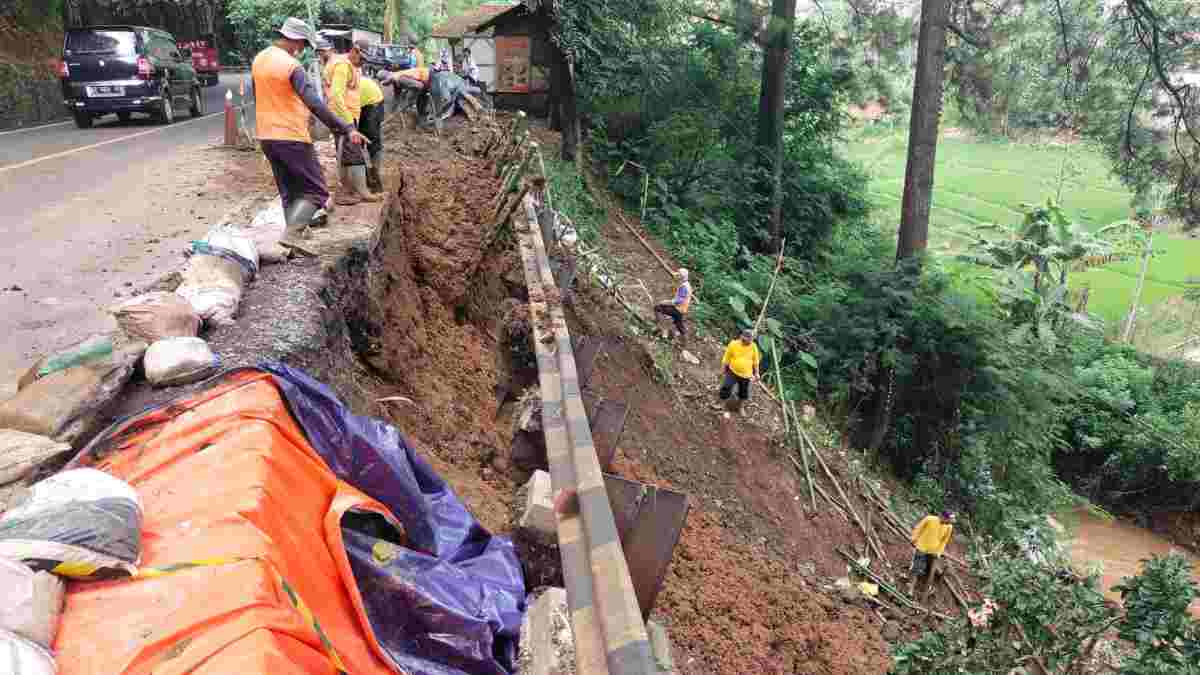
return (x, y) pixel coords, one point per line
(978, 182)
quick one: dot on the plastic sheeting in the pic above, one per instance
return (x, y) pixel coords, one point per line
(405, 582)
(447, 90)
(456, 596)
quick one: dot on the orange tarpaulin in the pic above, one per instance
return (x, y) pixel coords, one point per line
(229, 484)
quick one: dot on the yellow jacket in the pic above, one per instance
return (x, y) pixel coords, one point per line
(931, 535)
(370, 92)
(342, 78)
(742, 359)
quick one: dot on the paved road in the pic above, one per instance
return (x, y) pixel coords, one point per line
(90, 213)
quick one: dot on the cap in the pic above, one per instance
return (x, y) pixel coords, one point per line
(683, 273)
(362, 45)
(295, 29)
(747, 333)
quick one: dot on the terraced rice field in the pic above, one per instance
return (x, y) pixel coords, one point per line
(979, 183)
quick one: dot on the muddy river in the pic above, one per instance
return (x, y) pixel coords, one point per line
(1119, 547)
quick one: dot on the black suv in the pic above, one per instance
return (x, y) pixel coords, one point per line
(127, 69)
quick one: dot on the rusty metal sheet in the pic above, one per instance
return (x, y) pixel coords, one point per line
(649, 521)
(586, 348)
(607, 420)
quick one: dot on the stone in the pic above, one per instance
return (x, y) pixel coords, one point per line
(547, 643)
(690, 358)
(660, 647)
(891, 631)
(537, 518)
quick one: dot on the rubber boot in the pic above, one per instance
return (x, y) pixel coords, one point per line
(346, 194)
(374, 181)
(296, 220)
(358, 181)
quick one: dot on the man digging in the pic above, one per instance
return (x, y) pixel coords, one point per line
(285, 98)
(930, 538)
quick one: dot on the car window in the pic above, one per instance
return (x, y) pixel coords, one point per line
(118, 42)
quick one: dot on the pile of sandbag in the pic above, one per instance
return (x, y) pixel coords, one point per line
(81, 524)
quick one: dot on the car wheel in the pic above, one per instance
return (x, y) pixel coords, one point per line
(124, 116)
(83, 120)
(197, 108)
(166, 109)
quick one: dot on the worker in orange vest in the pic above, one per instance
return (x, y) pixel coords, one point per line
(284, 98)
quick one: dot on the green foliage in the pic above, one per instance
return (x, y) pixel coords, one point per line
(255, 21)
(1165, 636)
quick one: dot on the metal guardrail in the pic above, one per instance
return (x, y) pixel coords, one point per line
(610, 635)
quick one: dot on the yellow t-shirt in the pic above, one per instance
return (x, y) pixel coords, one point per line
(931, 535)
(742, 359)
(369, 92)
(343, 89)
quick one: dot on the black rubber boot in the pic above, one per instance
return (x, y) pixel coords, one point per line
(297, 219)
(374, 181)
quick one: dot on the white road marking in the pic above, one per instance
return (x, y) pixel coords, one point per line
(38, 127)
(72, 151)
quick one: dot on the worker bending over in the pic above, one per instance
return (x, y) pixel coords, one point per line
(930, 538)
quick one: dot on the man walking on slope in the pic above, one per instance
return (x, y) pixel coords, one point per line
(284, 98)
(345, 100)
(930, 538)
(677, 307)
(740, 362)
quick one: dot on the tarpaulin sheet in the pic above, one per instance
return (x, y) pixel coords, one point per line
(250, 521)
(447, 89)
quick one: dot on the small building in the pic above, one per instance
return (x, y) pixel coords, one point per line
(523, 56)
(462, 32)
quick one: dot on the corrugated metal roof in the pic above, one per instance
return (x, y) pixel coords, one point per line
(467, 22)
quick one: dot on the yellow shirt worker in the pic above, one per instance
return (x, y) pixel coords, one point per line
(930, 538)
(740, 363)
(370, 123)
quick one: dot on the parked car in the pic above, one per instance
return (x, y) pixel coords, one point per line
(127, 69)
(205, 58)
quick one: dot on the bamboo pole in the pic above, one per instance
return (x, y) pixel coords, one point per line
(629, 226)
(775, 276)
(849, 506)
(783, 408)
(804, 456)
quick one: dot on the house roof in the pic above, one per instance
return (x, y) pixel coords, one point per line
(467, 22)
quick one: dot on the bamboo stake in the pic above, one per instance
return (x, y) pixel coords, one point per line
(779, 378)
(654, 253)
(813, 493)
(804, 456)
(778, 266)
(961, 603)
(842, 493)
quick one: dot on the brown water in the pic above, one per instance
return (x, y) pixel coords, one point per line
(1118, 546)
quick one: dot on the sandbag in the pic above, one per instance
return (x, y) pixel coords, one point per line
(93, 348)
(213, 285)
(181, 360)
(66, 404)
(81, 523)
(233, 239)
(30, 602)
(155, 316)
(266, 230)
(19, 656)
(21, 453)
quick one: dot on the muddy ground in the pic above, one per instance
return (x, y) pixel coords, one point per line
(422, 298)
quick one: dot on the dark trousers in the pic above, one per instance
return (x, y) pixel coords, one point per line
(370, 124)
(667, 309)
(743, 386)
(297, 171)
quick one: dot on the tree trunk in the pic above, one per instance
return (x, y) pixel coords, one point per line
(1127, 336)
(923, 129)
(570, 114)
(389, 21)
(771, 104)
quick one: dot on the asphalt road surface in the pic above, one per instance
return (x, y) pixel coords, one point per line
(90, 214)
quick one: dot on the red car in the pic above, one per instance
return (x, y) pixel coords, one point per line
(205, 59)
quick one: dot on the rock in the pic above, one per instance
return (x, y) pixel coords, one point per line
(537, 518)
(806, 569)
(21, 453)
(690, 358)
(891, 631)
(660, 647)
(547, 643)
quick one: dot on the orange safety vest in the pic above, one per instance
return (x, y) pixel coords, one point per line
(279, 112)
(687, 302)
